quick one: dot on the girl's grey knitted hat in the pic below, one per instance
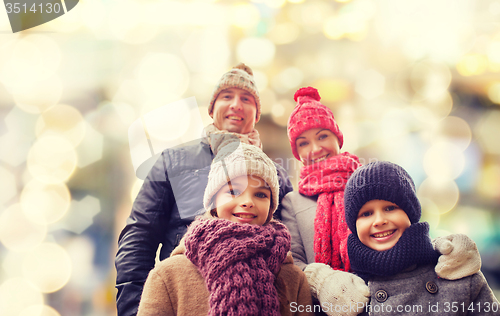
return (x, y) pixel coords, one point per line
(240, 159)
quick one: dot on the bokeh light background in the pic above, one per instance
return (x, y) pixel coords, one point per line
(416, 82)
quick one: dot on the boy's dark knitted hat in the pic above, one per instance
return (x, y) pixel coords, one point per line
(381, 180)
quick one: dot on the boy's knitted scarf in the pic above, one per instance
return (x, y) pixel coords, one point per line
(413, 247)
(328, 179)
(239, 263)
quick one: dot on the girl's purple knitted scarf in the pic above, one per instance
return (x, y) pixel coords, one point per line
(239, 263)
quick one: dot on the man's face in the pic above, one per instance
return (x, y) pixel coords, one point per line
(235, 110)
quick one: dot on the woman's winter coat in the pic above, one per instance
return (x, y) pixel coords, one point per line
(298, 213)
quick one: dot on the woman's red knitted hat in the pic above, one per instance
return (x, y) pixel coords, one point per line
(310, 113)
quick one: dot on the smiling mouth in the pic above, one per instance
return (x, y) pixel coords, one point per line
(320, 158)
(232, 117)
(244, 216)
(384, 234)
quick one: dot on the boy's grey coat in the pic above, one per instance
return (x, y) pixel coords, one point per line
(408, 290)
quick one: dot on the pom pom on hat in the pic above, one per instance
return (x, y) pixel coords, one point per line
(244, 67)
(307, 92)
(240, 76)
(309, 113)
(380, 180)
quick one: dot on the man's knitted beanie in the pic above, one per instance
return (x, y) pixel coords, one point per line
(241, 76)
(309, 113)
(240, 159)
(380, 180)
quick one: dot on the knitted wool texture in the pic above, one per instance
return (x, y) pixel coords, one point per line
(236, 159)
(239, 263)
(383, 180)
(218, 138)
(380, 180)
(413, 247)
(309, 113)
(241, 76)
(327, 179)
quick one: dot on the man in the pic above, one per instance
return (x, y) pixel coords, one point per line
(172, 193)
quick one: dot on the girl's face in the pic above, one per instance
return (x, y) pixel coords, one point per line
(380, 224)
(316, 145)
(246, 199)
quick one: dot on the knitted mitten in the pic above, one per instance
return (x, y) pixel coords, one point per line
(459, 256)
(334, 287)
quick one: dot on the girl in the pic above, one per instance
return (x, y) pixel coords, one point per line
(392, 250)
(234, 260)
(315, 214)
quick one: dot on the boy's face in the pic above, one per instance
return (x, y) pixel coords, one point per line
(380, 224)
(247, 199)
(235, 110)
(317, 144)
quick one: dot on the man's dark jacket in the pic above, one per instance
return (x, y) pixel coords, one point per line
(170, 197)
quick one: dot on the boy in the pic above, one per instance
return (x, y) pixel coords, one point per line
(391, 250)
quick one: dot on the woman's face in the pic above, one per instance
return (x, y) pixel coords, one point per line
(316, 145)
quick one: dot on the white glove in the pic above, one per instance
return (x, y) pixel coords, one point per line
(459, 256)
(339, 292)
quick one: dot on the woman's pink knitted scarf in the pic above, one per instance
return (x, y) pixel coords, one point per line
(328, 179)
(239, 263)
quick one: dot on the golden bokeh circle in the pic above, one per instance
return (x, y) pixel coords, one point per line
(45, 203)
(8, 185)
(39, 97)
(430, 79)
(281, 111)
(440, 106)
(39, 310)
(17, 232)
(16, 294)
(28, 60)
(48, 267)
(455, 130)
(443, 193)
(444, 160)
(52, 159)
(61, 120)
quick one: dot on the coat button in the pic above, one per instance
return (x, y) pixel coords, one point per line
(381, 296)
(431, 287)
